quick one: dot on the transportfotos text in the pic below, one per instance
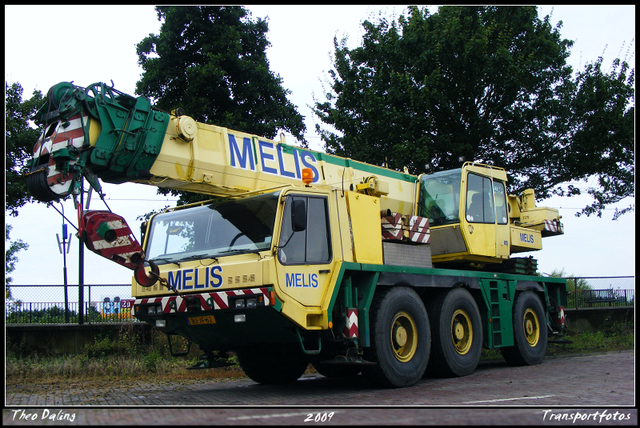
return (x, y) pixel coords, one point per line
(596, 416)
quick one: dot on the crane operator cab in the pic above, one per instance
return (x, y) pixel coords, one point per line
(475, 223)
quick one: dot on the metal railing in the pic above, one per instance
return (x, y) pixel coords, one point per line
(114, 304)
(600, 292)
(57, 313)
(46, 304)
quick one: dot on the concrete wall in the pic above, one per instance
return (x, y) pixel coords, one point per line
(60, 339)
(593, 319)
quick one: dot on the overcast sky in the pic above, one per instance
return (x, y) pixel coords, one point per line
(45, 45)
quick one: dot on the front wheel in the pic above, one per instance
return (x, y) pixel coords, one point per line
(400, 338)
(529, 331)
(272, 364)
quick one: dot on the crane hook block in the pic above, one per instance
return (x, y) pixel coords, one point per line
(108, 235)
(141, 276)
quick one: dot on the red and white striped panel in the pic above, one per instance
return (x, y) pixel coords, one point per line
(553, 226)
(119, 250)
(392, 226)
(398, 227)
(351, 329)
(208, 301)
(73, 135)
(419, 229)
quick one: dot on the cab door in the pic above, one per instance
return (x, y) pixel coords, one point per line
(304, 250)
(486, 216)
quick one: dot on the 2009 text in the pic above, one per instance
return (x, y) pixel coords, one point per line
(319, 417)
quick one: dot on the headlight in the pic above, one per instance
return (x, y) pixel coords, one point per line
(154, 310)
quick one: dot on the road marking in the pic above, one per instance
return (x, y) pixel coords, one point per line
(497, 400)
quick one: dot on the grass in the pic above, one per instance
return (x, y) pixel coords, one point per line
(128, 357)
(106, 359)
(611, 337)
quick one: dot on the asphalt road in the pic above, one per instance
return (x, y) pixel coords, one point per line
(596, 389)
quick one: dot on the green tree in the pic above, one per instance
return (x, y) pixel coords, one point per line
(602, 129)
(573, 283)
(211, 62)
(484, 84)
(12, 248)
(20, 138)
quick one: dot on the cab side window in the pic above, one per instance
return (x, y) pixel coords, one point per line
(479, 199)
(486, 199)
(311, 245)
(500, 196)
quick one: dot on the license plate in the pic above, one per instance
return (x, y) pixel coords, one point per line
(209, 319)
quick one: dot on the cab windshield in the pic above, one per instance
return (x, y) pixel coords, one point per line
(220, 228)
(440, 197)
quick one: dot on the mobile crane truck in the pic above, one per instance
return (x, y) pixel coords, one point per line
(304, 257)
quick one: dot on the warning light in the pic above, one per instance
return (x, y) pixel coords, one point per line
(272, 298)
(307, 176)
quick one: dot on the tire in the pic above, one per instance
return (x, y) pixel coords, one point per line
(456, 334)
(272, 364)
(400, 338)
(529, 331)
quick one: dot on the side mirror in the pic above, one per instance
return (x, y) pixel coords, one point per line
(299, 215)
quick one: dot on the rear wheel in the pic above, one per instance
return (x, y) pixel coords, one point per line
(529, 331)
(400, 338)
(272, 364)
(457, 334)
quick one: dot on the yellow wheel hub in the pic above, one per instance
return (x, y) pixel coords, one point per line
(461, 332)
(531, 327)
(404, 337)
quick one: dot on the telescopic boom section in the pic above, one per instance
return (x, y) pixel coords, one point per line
(99, 132)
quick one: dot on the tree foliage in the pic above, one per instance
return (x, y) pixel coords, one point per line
(602, 131)
(20, 138)
(574, 284)
(12, 248)
(211, 62)
(485, 84)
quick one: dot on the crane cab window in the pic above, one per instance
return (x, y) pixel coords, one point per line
(308, 245)
(440, 197)
(486, 200)
(500, 198)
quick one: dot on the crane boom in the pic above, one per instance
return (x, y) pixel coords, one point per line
(100, 132)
